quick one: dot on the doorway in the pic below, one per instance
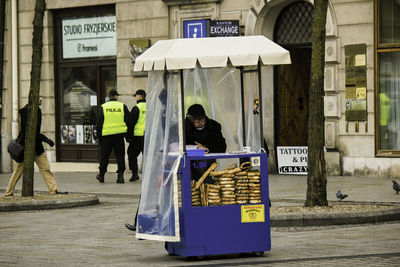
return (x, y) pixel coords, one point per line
(293, 32)
(293, 82)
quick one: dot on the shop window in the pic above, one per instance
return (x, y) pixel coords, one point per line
(388, 76)
(389, 21)
(79, 105)
(85, 70)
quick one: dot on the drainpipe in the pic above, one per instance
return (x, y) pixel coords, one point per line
(2, 23)
(14, 62)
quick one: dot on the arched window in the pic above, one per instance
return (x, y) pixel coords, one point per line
(294, 24)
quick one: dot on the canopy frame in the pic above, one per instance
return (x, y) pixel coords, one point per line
(162, 60)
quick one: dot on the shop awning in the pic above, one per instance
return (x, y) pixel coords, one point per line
(212, 52)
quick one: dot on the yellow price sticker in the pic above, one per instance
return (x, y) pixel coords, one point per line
(252, 213)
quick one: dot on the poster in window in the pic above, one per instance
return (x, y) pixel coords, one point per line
(79, 100)
(71, 134)
(94, 134)
(137, 47)
(87, 134)
(79, 134)
(64, 134)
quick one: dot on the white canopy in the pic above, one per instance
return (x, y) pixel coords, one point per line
(211, 52)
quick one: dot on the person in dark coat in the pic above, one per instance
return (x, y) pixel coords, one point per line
(40, 156)
(138, 118)
(206, 134)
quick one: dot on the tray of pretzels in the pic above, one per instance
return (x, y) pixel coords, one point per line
(233, 185)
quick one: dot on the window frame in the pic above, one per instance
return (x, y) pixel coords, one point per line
(380, 48)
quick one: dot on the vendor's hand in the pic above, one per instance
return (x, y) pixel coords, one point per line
(200, 146)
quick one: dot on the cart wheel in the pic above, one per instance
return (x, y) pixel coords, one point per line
(258, 253)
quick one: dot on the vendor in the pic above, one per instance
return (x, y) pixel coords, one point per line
(206, 134)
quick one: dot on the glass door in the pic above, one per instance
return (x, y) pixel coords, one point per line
(81, 91)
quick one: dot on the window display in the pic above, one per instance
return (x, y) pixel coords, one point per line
(79, 102)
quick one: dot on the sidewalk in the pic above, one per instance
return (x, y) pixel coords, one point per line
(281, 187)
(96, 235)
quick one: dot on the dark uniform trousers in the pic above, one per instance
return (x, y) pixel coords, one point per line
(107, 143)
(134, 149)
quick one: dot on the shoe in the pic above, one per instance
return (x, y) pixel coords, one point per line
(60, 193)
(10, 195)
(120, 179)
(130, 227)
(134, 177)
(100, 178)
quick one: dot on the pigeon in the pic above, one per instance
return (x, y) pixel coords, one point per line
(396, 186)
(340, 196)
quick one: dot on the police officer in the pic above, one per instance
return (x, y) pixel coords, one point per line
(112, 126)
(138, 115)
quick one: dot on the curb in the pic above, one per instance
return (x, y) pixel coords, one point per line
(288, 220)
(82, 200)
(377, 216)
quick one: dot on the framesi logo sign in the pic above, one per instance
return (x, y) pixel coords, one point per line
(89, 37)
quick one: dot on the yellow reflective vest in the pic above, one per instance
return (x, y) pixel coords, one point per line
(384, 103)
(113, 118)
(140, 124)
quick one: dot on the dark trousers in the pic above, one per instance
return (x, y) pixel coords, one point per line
(134, 149)
(107, 144)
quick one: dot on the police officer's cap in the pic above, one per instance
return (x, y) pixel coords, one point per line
(112, 92)
(140, 92)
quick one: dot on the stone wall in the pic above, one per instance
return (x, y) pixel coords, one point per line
(348, 22)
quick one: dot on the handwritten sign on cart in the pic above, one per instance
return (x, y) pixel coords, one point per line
(252, 213)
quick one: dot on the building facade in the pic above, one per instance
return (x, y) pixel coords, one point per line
(89, 47)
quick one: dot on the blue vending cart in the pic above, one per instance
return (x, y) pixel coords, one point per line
(223, 74)
(223, 229)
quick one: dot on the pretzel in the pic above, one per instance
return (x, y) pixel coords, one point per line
(245, 166)
(218, 173)
(203, 196)
(235, 170)
(215, 186)
(204, 176)
(253, 173)
(231, 166)
(227, 175)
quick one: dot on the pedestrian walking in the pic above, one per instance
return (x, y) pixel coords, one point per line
(112, 126)
(138, 117)
(40, 156)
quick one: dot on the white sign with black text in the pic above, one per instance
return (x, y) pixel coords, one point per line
(89, 37)
(292, 159)
(223, 28)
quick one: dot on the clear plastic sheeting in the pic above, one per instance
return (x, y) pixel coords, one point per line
(218, 91)
(252, 111)
(158, 210)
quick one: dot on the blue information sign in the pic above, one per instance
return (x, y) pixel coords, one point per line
(195, 28)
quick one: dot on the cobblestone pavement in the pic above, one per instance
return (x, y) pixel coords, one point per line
(96, 235)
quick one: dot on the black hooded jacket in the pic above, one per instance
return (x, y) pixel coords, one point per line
(210, 136)
(23, 112)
